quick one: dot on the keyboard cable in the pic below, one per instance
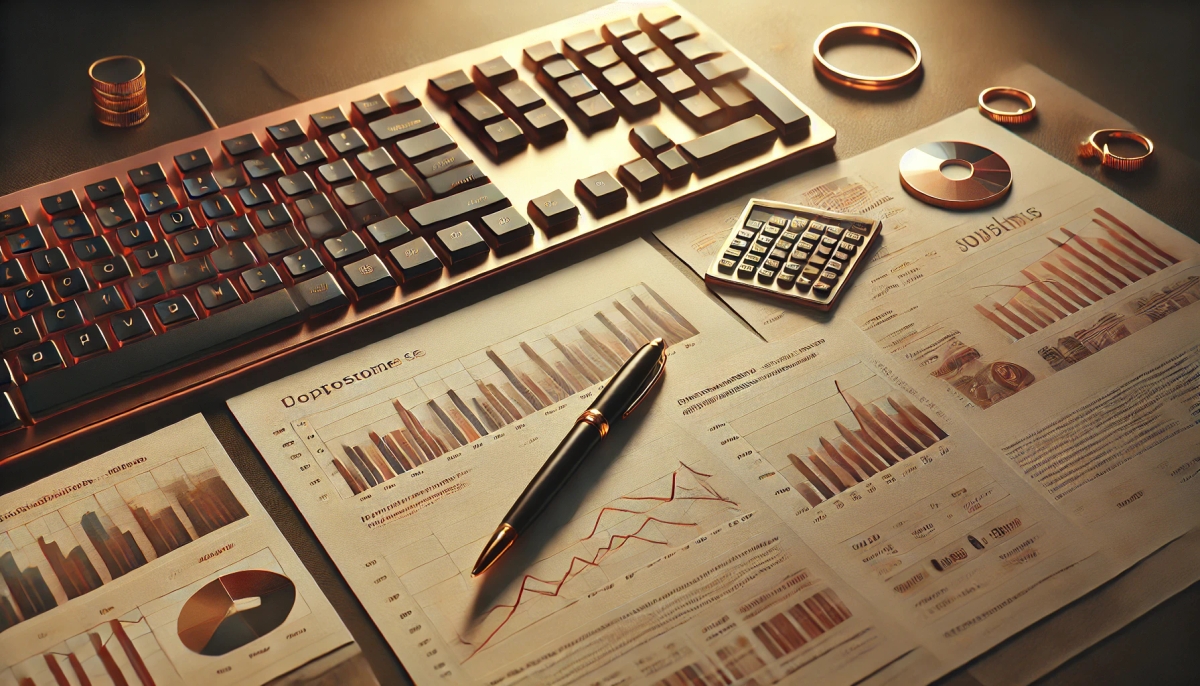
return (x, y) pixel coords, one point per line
(196, 99)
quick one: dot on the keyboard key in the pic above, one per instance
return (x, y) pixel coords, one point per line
(32, 297)
(120, 367)
(321, 292)
(232, 257)
(597, 112)
(535, 55)
(673, 166)
(301, 263)
(376, 161)
(407, 123)
(345, 246)
(455, 208)
(61, 203)
(246, 144)
(259, 168)
(273, 216)
(195, 241)
(189, 273)
(9, 419)
(261, 278)
(214, 296)
(287, 131)
(656, 62)
(104, 301)
(177, 221)
(777, 107)
(657, 16)
(388, 230)
(545, 125)
(503, 139)
(508, 226)
(577, 87)
(279, 242)
(721, 148)
(41, 358)
(601, 193)
(348, 142)
(200, 186)
(87, 341)
(75, 226)
(306, 154)
(146, 287)
(699, 49)
(449, 87)
(619, 30)
(649, 140)
(175, 310)
(603, 58)
(27, 240)
(583, 42)
(402, 99)
(18, 332)
(475, 111)
(423, 145)
(367, 213)
(641, 177)
(330, 120)
(50, 261)
(296, 185)
(521, 96)
(236, 228)
(13, 218)
(103, 190)
(618, 76)
(639, 100)
(456, 179)
(371, 108)
(553, 211)
(556, 70)
(6, 375)
(496, 71)
(369, 275)
(416, 259)
(442, 163)
(154, 255)
(401, 189)
(230, 178)
(128, 326)
(336, 172)
(678, 31)
(191, 161)
(157, 201)
(462, 243)
(354, 194)
(725, 67)
(638, 45)
(253, 196)
(70, 284)
(677, 84)
(701, 113)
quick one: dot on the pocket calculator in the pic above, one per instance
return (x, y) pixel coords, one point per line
(800, 254)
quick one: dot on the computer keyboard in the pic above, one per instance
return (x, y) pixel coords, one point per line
(141, 279)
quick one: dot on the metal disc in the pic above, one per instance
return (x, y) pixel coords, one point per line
(921, 175)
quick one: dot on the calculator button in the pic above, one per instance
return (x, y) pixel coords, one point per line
(799, 255)
(805, 246)
(759, 249)
(746, 234)
(824, 251)
(847, 248)
(726, 265)
(765, 240)
(840, 256)
(822, 288)
(745, 271)
(853, 238)
(779, 254)
(829, 241)
(754, 224)
(738, 244)
(810, 272)
(817, 261)
(771, 231)
(789, 236)
(834, 266)
(766, 275)
(785, 280)
(803, 283)
(798, 224)
(783, 245)
(772, 264)
(732, 254)
(831, 230)
(777, 220)
(752, 259)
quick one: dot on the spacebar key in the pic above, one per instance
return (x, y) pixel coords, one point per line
(721, 148)
(66, 387)
(442, 213)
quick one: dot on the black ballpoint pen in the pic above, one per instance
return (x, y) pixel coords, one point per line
(620, 397)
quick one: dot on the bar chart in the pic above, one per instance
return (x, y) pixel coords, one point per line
(481, 393)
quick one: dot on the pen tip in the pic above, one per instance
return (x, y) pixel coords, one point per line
(501, 539)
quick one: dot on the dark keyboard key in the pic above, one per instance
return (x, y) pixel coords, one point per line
(416, 259)
(535, 55)
(70, 283)
(442, 163)
(214, 296)
(193, 160)
(253, 196)
(641, 177)
(262, 167)
(314, 206)
(577, 87)
(457, 207)
(348, 142)
(345, 246)
(321, 292)
(403, 99)
(121, 367)
(32, 296)
(508, 226)
(330, 120)
(553, 211)
(777, 107)
(87, 341)
(13, 218)
(146, 287)
(376, 161)
(103, 190)
(114, 215)
(195, 241)
(149, 175)
(189, 273)
(6, 375)
(324, 225)
(279, 242)
(307, 153)
(9, 419)
(367, 213)
(62, 317)
(369, 275)
(128, 326)
(388, 230)
(230, 178)
(261, 278)
(520, 96)
(673, 166)
(401, 189)
(236, 228)
(583, 42)
(545, 125)
(246, 144)
(462, 243)
(456, 179)
(449, 87)
(407, 123)
(426, 144)
(63, 202)
(649, 140)
(200, 185)
(496, 71)
(721, 148)
(90, 249)
(177, 221)
(154, 255)
(41, 358)
(104, 301)
(303, 262)
(556, 70)
(273, 216)
(65, 228)
(157, 201)
(18, 332)
(336, 172)
(726, 67)
(296, 185)
(372, 107)
(601, 193)
(354, 194)
(597, 112)
(232, 256)
(640, 100)
(475, 111)
(175, 310)
(287, 131)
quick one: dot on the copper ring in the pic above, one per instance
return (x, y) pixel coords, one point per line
(593, 417)
(1096, 147)
(891, 34)
(1020, 116)
(119, 87)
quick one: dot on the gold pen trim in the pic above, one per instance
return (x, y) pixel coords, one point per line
(596, 419)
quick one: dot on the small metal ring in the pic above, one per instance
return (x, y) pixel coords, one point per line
(884, 32)
(1020, 116)
(593, 417)
(1096, 147)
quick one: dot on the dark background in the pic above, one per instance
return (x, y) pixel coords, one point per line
(243, 59)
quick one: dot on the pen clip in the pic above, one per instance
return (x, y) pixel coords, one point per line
(658, 375)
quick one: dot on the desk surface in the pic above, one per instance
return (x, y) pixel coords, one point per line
(243, 59)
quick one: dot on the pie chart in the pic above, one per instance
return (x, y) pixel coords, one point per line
(235, 609)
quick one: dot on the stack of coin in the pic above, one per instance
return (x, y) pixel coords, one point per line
(119, 91)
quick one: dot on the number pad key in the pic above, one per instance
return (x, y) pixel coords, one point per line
(416, 259)
(461, 242)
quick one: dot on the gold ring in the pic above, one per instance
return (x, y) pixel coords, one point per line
(121, 75)
(593, 417)
(1096, 147)
(841, 32)
(1019, 116)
